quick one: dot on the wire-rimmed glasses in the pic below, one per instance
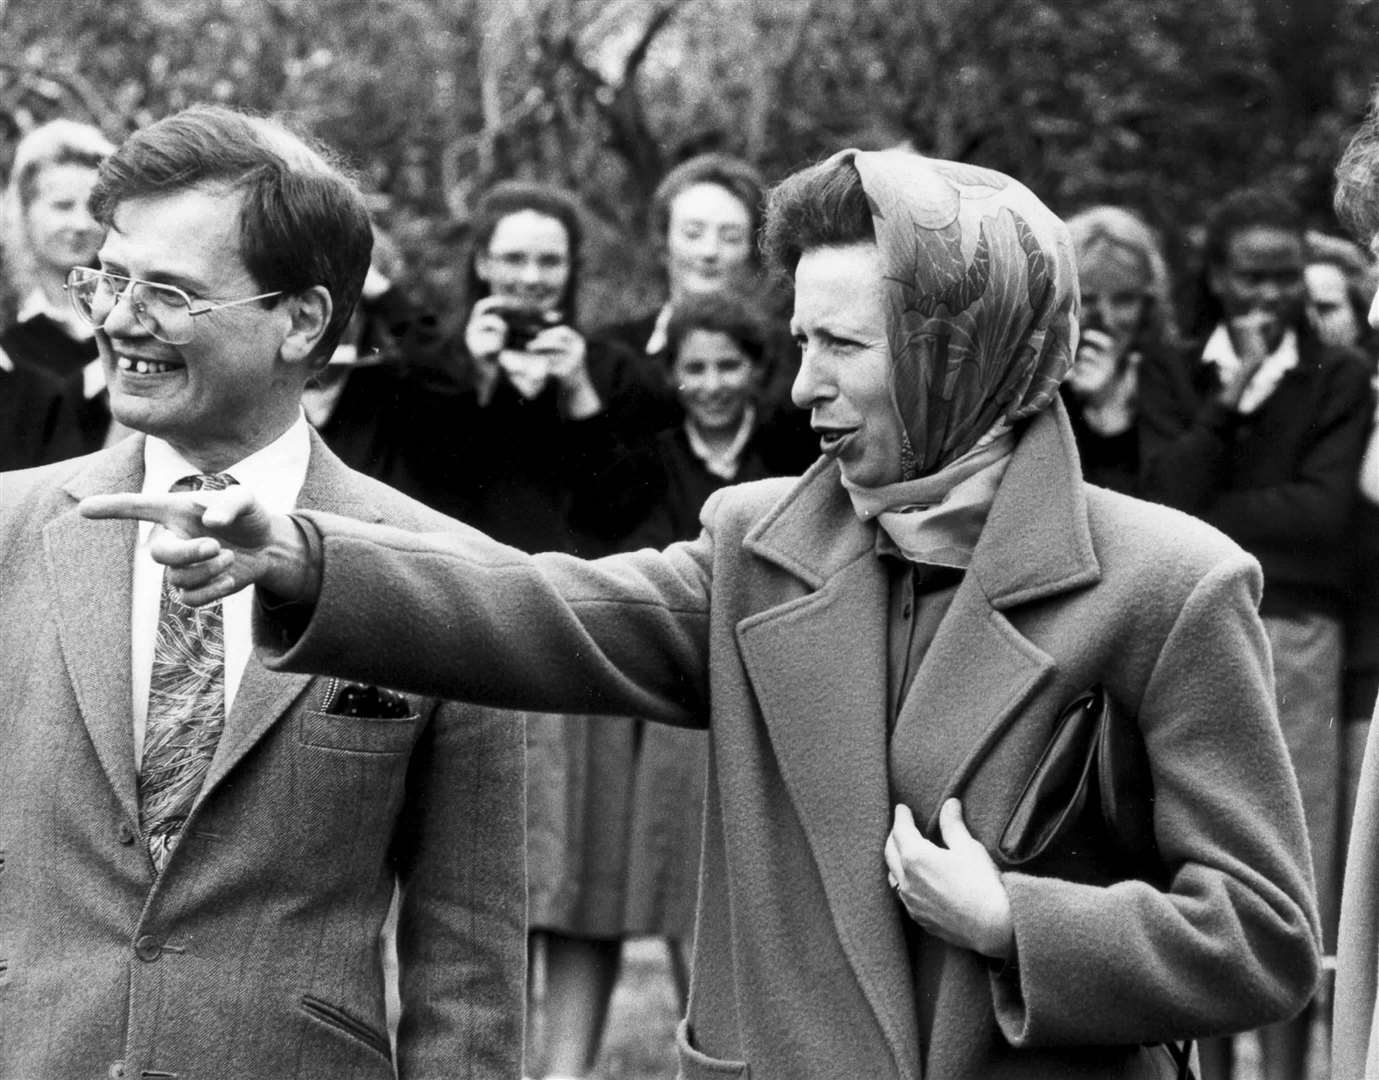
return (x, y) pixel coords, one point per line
(165, 311)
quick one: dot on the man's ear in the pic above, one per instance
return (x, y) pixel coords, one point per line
(310, 310)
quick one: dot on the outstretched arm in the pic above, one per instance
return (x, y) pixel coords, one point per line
(215, 543)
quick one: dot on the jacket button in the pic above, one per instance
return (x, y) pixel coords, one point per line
(116, 1071)
(148, 948)
(125, 833)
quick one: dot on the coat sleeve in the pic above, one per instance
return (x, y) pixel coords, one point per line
(460, 856)
(1313, 505)
(1233, 942)
(460, 616)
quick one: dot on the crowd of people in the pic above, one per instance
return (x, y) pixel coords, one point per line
(778, 590)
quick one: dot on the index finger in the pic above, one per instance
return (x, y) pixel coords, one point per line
(135, 506)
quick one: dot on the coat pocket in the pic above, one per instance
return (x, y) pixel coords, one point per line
(351, 1027)
(359, 734)
(695, 1065)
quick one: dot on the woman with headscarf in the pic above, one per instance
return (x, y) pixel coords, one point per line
(880, 650)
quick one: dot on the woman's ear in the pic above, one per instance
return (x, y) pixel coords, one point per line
(310, 311)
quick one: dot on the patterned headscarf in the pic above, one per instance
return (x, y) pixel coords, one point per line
(981, 298)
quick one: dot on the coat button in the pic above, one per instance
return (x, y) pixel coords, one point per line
(116, 1071)
(148, 948)
(125, 832)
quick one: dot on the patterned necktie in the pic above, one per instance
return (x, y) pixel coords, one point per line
(186, 706)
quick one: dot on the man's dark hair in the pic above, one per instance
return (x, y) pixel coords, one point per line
(735, 176)
(303, 221)
(718, 313)
(824, 205)
(1242, 209)
(512, 197)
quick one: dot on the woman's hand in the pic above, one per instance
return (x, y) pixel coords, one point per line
(955, 891)
(215, 543)
(565, 352)
(486, 330)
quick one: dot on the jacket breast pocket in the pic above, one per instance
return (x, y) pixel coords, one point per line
(696, 1065)
(359, 734)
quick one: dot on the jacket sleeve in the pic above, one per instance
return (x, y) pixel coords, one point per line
(1185, 442)
(460, 616)
(1233, 942)
(460, 856)
(1314, 504)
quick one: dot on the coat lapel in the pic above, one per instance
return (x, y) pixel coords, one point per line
(264, 697)
(829, 732)
(90, 571)
(980, 671)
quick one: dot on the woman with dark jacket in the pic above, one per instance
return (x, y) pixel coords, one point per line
(1260, 432)
(1127, 322)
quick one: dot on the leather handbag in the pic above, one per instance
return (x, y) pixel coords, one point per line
(1086, 812)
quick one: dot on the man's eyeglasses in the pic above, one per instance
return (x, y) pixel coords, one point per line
(165, 311)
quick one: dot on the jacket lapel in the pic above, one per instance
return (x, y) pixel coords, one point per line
(980, 671)
(264, 697)
(829, 732)
(90, 571)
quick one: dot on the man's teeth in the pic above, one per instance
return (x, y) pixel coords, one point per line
(144, 367)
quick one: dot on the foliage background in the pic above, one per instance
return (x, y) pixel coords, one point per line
(1160, 105)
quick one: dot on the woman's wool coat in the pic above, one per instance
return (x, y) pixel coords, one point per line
(771, 628)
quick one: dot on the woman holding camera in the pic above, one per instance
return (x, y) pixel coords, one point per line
(534, 412)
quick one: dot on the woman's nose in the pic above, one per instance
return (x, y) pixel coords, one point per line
(809, 385)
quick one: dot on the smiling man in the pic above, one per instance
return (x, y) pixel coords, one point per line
(199, 854)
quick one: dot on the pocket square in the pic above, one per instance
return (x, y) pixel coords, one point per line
(373, 702)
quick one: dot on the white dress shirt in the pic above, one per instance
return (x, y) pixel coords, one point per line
(1220, 353)
(275, 475)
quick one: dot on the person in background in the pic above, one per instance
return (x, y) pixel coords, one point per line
(1127, 321)
(1355, 1030)
(1340, 280)
(199, 853)
(390, 360)
(532, 406)
(705, 217)
(34, 428)
(880, 650)
(47, 229)
(1260, 433)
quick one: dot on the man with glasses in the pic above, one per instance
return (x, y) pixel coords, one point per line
(197, 855)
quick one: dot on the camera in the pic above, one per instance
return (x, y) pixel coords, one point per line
(524, 324)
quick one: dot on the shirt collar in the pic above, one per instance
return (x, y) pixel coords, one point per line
(36, 304)
(1220, 354)
(275, 473)
(723, 463)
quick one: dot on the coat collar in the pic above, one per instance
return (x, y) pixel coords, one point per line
(813, 532)
(817, 665)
